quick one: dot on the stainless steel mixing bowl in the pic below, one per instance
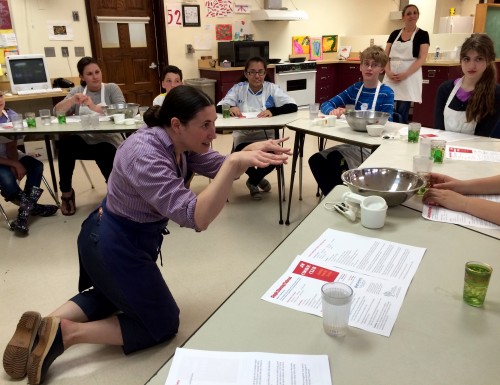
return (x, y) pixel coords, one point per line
(358, 120)
(129, 109)
(394, 185)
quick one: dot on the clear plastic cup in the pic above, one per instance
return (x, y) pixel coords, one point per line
(336, 306)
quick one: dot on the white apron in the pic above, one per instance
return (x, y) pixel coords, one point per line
(250, 136)
(355, 155)
(113, 138)
(401, 57)
(456, 121)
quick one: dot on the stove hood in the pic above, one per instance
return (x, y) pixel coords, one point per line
(278, 15)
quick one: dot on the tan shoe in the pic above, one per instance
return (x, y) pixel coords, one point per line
(15, 356)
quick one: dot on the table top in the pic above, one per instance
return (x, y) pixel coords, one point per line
(437, 338)
(341, 132)
(399, 154)
(277, 121)
(72, 126)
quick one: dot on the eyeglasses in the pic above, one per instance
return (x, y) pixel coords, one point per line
(372, 64)
(255, 73)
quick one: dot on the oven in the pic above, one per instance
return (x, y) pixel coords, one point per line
(298, 80)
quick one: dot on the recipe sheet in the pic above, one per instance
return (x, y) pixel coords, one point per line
(379, 272)
(441, 214)
(472, 154)
(200, 367)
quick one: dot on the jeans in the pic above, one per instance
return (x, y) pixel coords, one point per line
(73, 147)
(8, 183)
(403, 109)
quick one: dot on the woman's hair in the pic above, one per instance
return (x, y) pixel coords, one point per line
(482, 101)
(376, 53)
(182, 102)
(408, 6)
(82, 63)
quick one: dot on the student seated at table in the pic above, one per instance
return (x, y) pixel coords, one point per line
(452, 194)
(171, 78)
(14, 166)
(92, 94)
(471, 104)
(369, 94)
(255, 94)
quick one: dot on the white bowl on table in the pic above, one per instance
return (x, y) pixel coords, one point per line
(375, 129)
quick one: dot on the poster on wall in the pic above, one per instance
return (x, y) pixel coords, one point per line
(330, 43)
(5, 21)
(173, 15)
(223, 32)
(316, 51)
(219, 8)
(300, 45)
(60, 30)
(242, 8)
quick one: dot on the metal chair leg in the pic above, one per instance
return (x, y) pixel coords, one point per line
(87, 173)
(5, 216)
(51, 192)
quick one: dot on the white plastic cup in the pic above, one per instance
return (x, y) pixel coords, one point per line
(332, 120)
(94, 121)
(336, 298)
(313, 111)
(373, 212)
(17, 122)
(45, 117)
(118, 118)
(85, 121)
(425, 147)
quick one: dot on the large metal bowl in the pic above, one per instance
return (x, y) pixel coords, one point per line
(129, 109)
(358, 120)
(395, 186)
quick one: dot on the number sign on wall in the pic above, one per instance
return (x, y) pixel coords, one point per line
(174, 15)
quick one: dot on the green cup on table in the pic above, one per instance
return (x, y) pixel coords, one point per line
(30, 119)
(61, 116)
(476, 281)
(225, 111)
(414, 132)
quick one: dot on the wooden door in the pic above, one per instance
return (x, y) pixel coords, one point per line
(125, 36)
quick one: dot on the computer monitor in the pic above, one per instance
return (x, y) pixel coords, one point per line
(27, 72)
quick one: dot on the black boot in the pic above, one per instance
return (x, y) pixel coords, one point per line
(27, 205)
(42, 210)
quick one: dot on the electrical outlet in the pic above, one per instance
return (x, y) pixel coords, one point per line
(76, 16)
(65, 51)
(372, 42)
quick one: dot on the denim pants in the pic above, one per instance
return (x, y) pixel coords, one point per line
(9, 186)
(119, 275)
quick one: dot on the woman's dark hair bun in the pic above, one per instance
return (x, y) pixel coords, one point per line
(151, 116)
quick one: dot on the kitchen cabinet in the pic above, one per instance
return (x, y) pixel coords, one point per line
(325, 78)
(433, 76)
(226, 79)
(347, 75)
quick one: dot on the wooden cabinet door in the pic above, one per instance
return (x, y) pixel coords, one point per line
(325, 78)
(347, 75)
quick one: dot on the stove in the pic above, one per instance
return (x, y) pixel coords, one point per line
(295, 67)
(298, 80)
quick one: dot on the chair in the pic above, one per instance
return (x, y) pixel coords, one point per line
(5, 217)
(87, 173)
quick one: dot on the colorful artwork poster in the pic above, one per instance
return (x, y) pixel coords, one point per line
(223, 32)
(316, 51)
(330, 43)
(219, 8)
(300, 45)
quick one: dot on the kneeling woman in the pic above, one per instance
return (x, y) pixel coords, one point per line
(123, 297)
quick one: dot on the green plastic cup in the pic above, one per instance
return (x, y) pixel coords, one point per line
(476, 281)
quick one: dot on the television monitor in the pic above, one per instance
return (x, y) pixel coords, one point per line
(27, 72)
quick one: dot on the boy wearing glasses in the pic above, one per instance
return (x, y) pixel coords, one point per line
(263, 99)
(370, 94)
(172, 77)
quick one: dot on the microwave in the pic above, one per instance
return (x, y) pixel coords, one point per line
(238, 52)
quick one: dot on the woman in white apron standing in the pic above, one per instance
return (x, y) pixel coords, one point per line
(91, 95)
(407, 49)
(263, 99)
(471, 104)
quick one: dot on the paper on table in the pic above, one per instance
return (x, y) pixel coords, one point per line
(473, 154)
(242, 368)
(441, 214)
(379, 272)
(251, 115)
